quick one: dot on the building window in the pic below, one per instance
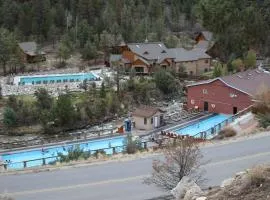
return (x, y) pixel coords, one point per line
(191, 73)
(145, 120)
(206, 70)
(232, 95)
(205, 91)
(206, 61)
(152, 120)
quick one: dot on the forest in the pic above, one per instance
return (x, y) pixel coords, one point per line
(91, 25)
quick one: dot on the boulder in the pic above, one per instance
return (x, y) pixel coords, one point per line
(201, 198)
(193, 193)
(226, 182)
(186, 189)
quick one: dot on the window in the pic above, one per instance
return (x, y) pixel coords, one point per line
(232, 95)
(145, 120)
(206, 70)
(206, 61)
(205, 91)
(152, 120)
(191, 73)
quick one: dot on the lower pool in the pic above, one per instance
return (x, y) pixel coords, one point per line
(15, 159)
(203, 125)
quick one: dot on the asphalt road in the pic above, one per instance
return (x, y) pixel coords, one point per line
(123, 180)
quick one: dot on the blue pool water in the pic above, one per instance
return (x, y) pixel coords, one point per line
(16, 158)
(202, 125)
(33, 80)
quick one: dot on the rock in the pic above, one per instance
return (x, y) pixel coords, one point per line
(226, 182)
(193, 193)
(201, 198)
(240, 173)
(186, 189)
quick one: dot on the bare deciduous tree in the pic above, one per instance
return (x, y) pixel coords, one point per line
(182, 158)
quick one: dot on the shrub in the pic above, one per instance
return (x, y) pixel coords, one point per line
(132, 145)
(227, 132)
(74, 153)
(257, 176)
(264, 120)
(260, 108)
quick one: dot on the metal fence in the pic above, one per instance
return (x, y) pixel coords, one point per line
(51, 160)
(212, 132)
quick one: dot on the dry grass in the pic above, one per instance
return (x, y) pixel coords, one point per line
(227, 132)
(253, 185)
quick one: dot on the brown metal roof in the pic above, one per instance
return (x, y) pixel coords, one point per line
(146, 111)
(249, 82)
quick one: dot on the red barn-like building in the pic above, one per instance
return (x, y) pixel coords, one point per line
(229, 94)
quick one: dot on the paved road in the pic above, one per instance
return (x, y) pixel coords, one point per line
(123, 180)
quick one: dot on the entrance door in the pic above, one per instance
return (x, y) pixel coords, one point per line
(235, 110)
(156, 122)
(205, 107)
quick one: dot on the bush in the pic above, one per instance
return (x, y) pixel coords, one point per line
(227, 132)
(74, 153)
(258, 176)
(132, 146)
(264, 120)
(260, 108)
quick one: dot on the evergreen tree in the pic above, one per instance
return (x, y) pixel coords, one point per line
(64, 111)
(9, 117)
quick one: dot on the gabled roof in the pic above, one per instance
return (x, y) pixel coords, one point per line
(150, 51)
(146, 111)
(30, 48)
(248, 82)
(204, 44)
(182, 55)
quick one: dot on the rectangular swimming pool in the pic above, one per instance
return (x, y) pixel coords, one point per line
(15, 159)
(202, 125)
(54, 78)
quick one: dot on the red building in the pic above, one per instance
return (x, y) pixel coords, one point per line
(229, 94)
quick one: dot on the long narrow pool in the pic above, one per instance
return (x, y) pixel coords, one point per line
(203, 125)
(15, 159)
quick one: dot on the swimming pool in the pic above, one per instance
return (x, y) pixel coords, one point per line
(202, 125)
(54, 78)
(15, 159)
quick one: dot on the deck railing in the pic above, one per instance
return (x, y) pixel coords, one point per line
(50, 160)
